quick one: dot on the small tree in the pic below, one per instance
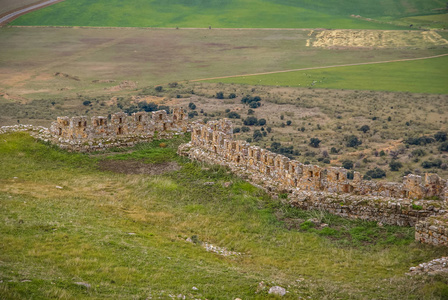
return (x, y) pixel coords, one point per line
(314, 142)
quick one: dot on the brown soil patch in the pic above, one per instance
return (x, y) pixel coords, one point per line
(122, 86)
(137, 167)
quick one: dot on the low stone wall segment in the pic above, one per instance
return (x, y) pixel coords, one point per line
(314, 187)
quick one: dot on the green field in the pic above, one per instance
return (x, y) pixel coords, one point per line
(228, 13)
(125, 235)
(420, 76)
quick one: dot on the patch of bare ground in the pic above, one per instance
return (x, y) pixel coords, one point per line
(359, 39)
(137, 167)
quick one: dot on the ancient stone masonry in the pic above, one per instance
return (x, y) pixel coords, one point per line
(314, 187)
(77, 134)
(433, 230)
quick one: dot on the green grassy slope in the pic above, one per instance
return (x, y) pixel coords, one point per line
(227, 13)
(124, 235)
(420, 76)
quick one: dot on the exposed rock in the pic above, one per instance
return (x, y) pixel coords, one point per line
(277, 290)
(84, 284)
(434, 267)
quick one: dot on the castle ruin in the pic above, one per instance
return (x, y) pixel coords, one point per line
(329, 189)
(120, 130)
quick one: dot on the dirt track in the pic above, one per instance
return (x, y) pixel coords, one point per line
(13, 15)
(324, 67)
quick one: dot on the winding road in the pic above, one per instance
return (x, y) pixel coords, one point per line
(13, 15)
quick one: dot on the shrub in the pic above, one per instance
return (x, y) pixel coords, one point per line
(333, 150)
(245, 129)
(257, 135)
(444, 146)
(86, 103)
(250, 121)
(192, 106)
(288, 123)
(268, 129)
(236, 130)
(347, 164)
(440, 136)
(159, 88)
(192, 114)
(376, 173)
(314, 142)
(233, 115)
(418, 152)
(250, 111)
(219, 95)
(423, 140)
(364, 128)
(261, 122)
(172, 84)
(350, 175)
(395, 165)
(232, 96)
(352, 141)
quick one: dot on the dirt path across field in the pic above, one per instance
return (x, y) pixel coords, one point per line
(324, 67)
(13, 15)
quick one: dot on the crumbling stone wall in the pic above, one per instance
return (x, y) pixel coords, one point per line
(314, 187)
(77, 134)
(433, 230)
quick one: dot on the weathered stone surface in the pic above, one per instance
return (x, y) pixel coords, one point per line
(433, 267)
(277, 290)
(121, 130)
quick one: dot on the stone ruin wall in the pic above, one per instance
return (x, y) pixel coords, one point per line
(121, 130)
(433, 230)
(314, 187)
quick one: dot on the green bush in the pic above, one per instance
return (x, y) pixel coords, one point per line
(395, 165)
(376, 173)
(347, 164)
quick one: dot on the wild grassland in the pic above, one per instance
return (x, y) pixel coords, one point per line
(228, 14)
(420, 76)
(124, 235)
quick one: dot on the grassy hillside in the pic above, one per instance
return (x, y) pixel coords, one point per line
(420, 76)
(228, 13)
(71, 231)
